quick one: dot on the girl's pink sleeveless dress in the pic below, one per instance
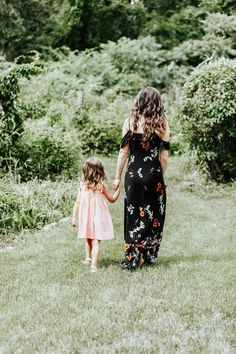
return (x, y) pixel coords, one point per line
(94, 216)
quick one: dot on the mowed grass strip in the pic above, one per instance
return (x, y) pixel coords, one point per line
(185, 303)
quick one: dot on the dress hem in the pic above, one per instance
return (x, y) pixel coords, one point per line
(96, 238)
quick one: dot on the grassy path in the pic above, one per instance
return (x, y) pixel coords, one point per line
(50, 303)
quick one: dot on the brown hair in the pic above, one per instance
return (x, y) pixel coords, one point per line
(93, 172)
(149, 105)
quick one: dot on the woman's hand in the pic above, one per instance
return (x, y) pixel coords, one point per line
(116, 184)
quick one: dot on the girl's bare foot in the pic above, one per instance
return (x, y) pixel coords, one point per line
(93, 269)
(87, 261)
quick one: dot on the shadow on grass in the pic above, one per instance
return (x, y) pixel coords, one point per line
(169, 261)
(107, 262)
(165, 261)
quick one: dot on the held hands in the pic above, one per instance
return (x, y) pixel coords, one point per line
(116, 184)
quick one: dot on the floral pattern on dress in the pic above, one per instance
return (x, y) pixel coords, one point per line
(145, 201)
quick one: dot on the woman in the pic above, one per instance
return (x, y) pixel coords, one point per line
(145, 140)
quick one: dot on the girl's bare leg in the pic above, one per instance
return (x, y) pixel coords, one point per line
(88, 248)
(95, 253)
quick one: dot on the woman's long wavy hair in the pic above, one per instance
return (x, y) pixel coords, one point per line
(93, 172)
(149, 106)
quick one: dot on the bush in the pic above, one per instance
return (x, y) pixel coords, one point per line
(208, 113)
(8, 204)
(92, 92)
(218, 40)
(46, 151)
(32, 205)
(11, 115)
(138, 63)
(177, 26)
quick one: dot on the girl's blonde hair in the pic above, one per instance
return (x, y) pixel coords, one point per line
(149, 105)
(93, 172)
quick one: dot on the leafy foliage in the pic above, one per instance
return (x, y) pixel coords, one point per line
(87, 95)
(48, 152)
(120, 19)
(208, 113)
(80, 24)
(217, 41)
(33, 24)
(32, 205)
(11, 120)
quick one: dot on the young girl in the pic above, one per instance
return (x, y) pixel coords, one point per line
(95, 222)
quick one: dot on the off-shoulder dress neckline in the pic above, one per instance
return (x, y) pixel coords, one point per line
(130, 131)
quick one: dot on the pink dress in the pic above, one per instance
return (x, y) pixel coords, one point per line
(94, 216)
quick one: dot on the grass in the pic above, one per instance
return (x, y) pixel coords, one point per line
(50, 303)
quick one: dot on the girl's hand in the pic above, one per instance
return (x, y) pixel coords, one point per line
(116, 184)
(73, 223)
(111, 197)
(116, 194)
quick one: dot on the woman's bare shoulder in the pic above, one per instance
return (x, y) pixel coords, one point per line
(126, 126)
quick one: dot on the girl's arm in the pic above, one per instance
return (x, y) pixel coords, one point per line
(75, 212)
(111, 197)
(164, 154)
(122, 157)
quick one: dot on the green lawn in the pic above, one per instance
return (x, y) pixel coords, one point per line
(185, 303)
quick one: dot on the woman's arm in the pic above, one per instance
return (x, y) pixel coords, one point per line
(121, 160)
(122, 157)
(164, 154)
(75, 212)
(111, 197)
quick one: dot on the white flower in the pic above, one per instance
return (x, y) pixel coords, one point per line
(131, 159)
(137, 229)
(154, 152)
(162, 206)
(130, 209)
(139, 172)
(147, 158)
(150, 213)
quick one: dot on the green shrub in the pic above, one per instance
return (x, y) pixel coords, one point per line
(46, 151)
(18, 211)
(208, 113)
(11, 116)
(101, 137)
(170, 30)
(218, 40)
(33, 204)
(92, 92)
(138, 62)
(8, 204)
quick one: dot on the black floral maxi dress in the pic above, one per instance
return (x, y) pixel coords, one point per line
(145, 199)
